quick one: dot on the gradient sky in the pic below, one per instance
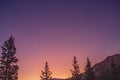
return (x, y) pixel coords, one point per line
(56, 30)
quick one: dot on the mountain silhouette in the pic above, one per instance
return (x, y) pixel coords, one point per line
(104, 65)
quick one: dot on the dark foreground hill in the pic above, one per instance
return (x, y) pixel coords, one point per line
(59, 79)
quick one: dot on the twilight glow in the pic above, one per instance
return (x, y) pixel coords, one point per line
(57, 30)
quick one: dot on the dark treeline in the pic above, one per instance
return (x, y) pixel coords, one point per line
(9, 67)
(8, 60)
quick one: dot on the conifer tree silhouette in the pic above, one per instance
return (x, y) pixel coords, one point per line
(89, 74)
(8, 60)
(114, 71)
(76, 71)
(119, 71)
(46, 73)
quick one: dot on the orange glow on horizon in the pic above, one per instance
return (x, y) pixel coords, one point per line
(62, 74)
(60, 68)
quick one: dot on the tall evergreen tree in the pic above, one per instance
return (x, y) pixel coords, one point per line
(89, 71)
(119, 71)
(114, 71)
(8, 60)
(76, 71)
(107, 74)
(46, 73)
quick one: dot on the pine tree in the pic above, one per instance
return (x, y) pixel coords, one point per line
(76, 71)
(8, 60)
(107, 74)
(46, 73)
(114, 71)
(119, 71)
(89, 71)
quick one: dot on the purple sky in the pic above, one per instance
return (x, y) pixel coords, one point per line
(56, 30)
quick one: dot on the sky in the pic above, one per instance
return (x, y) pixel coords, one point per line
(57, 30)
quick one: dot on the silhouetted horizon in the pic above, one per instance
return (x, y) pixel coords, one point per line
(57, 30)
